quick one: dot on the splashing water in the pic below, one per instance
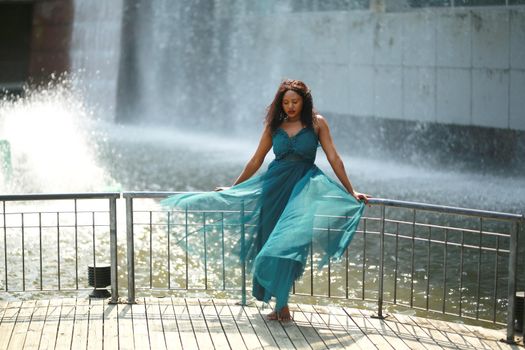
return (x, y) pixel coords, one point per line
(52, 141)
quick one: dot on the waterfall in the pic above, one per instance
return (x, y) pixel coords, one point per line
(95, 52)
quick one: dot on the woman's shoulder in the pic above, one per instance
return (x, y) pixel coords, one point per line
(320, 118)
(320, 122)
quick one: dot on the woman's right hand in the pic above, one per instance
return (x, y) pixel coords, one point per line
(221, 188)
(361, 196)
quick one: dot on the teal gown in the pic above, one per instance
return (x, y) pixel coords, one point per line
(288, 212)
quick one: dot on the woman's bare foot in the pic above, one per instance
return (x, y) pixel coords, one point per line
(284, 314)
(272, 316)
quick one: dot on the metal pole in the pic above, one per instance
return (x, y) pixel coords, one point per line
(243, 257)
(5, 245)
(131, 250)
(381, 264)
(113, 249)
(513, 258)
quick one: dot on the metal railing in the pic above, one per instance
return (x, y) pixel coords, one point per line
(439, 259)
(45, 237)
(453, 261)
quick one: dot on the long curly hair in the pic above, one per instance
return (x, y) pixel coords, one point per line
(275, 113)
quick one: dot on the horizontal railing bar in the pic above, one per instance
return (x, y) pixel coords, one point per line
(60, 211)
(162, 194)
(422, 239)
(54, 226)
(153, 194)
(196, 289)
(426, 240)
(446, 209)
(47, 290)
(58, 196)
(375, 201)
(454, 228)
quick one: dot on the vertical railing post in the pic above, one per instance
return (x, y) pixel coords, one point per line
(243, 258)
(113, 249)
(381, 263)
(513, 258)
(5, 246)
(130, 250)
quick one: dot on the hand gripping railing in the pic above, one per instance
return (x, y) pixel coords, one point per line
(26, 220)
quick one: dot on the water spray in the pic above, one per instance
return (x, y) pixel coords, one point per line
(5, 160)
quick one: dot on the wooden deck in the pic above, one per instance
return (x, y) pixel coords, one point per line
(178, 323)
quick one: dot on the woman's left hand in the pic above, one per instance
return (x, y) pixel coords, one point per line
(361, 196)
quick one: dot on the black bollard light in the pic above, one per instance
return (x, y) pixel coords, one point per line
(520, 296)
(99, 278)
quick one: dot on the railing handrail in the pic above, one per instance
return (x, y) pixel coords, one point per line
(372, 201)
(160, 194)
(58, 196)
(448, 209)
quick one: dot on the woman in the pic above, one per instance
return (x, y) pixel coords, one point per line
(291, 200)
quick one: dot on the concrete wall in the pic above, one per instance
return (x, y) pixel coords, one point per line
(463, 66)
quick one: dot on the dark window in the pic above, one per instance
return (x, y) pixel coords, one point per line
(15, 34)
(479, 2)
(429, 3)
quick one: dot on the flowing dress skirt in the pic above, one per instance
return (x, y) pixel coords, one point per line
(288, 210)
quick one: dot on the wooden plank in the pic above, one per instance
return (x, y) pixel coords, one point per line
(199, 325)
(21, 326)
(66, 323)
(140, 325)
(243, 324)
(34, 333)
(358, 335)
(125, 327)
(169, 324)
(187, 336)
(266, 338)
(309, 331)
(80, 329)
(369, 328)
(327, 333)
(96, 324)
(292, 332)
(419, 333)
(111, 339)
(331, 321)
(229, 325)
(49, 332)
(220, 341)
(8, 323)
(436, 333)
(491, 337)
(156, 332)
(383, 327)
(275, 328)
(458, 331)
(404, 334)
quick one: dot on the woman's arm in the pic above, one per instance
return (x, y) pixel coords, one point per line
(325, 138)
(265, 144)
